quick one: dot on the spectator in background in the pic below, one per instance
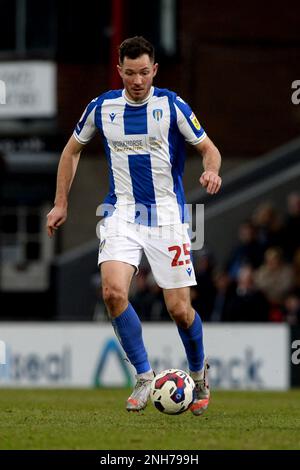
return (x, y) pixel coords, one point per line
(274, 278)
(204, 292)
(224, 287)
(246, 303)
(269, 226)
(292, 308)
(296, 269)
(292, 225)
(3, 169)
(247, 251)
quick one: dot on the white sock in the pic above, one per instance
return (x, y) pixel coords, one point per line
(197, 375)
(146, 375)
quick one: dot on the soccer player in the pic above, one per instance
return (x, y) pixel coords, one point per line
(144, 130)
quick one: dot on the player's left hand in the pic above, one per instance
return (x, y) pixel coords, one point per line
(211, 181)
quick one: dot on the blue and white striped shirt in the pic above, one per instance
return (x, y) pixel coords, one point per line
(144, 145)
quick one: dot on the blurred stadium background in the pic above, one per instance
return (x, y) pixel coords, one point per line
(235, 63)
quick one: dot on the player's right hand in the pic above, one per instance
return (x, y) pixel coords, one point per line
(56, 217)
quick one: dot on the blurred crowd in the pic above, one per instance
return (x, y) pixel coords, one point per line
(260, 281)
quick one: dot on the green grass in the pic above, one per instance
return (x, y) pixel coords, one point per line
(96, 419)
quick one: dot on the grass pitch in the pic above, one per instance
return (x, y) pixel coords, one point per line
(97, 419)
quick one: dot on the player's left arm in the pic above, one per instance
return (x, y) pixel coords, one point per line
(211, 156)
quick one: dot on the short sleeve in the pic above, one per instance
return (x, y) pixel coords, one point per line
(86, 128)
(188, 123)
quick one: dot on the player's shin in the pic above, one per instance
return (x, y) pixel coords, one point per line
(128, 329)
(192, 339)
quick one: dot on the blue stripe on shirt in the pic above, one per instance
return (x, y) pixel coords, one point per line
(177, 159)
(135, 119)
(143, 189)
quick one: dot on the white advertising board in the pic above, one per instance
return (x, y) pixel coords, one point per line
(249, 357)
(30, 89)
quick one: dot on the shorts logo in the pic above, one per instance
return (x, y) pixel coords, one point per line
(157, 114)
(195, 122)
(102, 246)
(189, 271)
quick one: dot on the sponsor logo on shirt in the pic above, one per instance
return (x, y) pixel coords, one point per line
(155, 143)
(112, 116)
(195, 122)
(127, 145)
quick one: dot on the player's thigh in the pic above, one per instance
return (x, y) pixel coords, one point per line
(118, 242)
(116, 276)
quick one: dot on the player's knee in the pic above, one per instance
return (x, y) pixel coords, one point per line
(180, 313)
(115, 298)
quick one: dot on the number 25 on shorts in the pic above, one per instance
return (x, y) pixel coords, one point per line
(178, 250)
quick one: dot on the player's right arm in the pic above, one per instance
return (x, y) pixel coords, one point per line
(65, 174)
(83, 133)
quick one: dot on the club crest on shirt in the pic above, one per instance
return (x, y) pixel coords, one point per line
(157, 114)
(195, 122)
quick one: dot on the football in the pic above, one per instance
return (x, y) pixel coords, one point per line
(172, 391)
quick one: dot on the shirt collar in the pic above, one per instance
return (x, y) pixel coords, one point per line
(140, 103)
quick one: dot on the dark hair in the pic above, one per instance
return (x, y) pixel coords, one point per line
(135, 47)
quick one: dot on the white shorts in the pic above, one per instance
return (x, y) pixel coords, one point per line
(167, 249)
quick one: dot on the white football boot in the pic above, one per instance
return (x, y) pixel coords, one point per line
(141, 392)
(202, 392)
